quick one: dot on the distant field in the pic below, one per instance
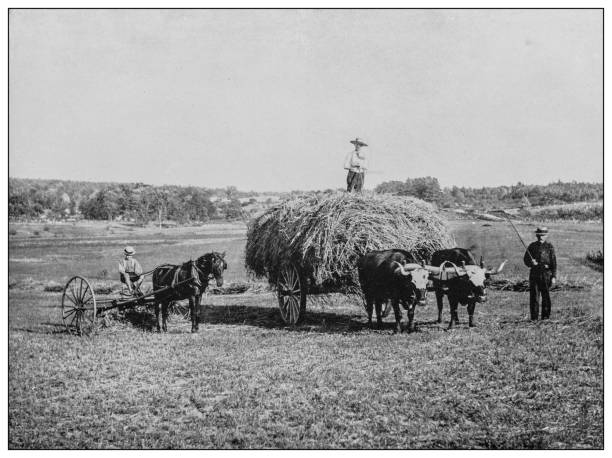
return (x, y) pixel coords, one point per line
(576, 211)
(93, 249)
(247, 381)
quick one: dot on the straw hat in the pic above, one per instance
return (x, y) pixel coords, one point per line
(359, 142)
(542, 230)
(129, 251)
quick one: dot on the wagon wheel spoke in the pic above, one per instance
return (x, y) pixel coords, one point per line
(293, 284)
(76, 290)
(76, 315)
(290, 282)
(294, 309)
(290, 279)
(284, 301)
(73, 295)
(69, 312)
(71, 299)
(285, 281)
(288, 310)
(84, 294)
(80, 289)
(66, 314)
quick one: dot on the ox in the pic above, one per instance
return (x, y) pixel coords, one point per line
(463, 285)
(388, 275)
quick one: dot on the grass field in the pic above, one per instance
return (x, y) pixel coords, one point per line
(247, 381)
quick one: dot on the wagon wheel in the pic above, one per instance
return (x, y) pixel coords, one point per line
(291, 291)
(79, 306)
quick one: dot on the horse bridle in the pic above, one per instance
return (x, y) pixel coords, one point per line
(211, 275)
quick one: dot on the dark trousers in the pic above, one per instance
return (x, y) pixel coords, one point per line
(133, 277)
(539, 284)
(354, 181)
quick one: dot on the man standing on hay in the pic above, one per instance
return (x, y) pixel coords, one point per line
(356, 165)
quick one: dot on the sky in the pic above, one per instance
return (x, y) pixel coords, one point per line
(268, 100)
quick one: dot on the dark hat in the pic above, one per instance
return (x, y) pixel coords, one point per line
(541, 230)
(359, 142)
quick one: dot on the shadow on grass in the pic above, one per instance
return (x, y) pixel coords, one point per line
(54, 328)
(313, 321)
(140, 318)
(325, 322)
(269, 318)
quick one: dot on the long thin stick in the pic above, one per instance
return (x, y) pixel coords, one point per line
(515, 230)
(520, 238)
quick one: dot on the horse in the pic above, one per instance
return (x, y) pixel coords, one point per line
(187, 281)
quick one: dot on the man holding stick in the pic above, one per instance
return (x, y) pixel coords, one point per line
(540, 258)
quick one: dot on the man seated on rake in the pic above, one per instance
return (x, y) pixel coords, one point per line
(130, 271)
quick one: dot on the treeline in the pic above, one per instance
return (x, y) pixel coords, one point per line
(519, 195)
(60, 199)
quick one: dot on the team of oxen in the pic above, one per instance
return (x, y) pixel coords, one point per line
(393, 275)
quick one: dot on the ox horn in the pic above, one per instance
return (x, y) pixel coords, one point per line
(481, 263)
(406, 268)
(401, 268)
(412, 266)
(499, 269)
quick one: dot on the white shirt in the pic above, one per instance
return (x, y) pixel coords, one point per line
(130, 265)
(355, 162)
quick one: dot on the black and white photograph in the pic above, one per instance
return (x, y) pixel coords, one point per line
(305, 228)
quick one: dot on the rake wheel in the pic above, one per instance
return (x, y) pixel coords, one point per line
(79, 307)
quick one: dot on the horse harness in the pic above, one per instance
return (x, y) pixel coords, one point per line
(175, 281)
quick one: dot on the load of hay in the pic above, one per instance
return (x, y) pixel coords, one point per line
(325, 235)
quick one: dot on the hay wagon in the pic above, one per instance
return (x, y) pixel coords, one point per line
(82, 310)
(311, 244)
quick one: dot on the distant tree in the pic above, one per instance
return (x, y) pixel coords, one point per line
(391, 187)
(22, 202)
(426, 188)
(231, 192)
(161, 201)
(234, 210)
(458, 195)
(525, 203)
(102, 205)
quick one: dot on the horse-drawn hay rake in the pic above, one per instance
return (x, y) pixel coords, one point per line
(81, 310)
